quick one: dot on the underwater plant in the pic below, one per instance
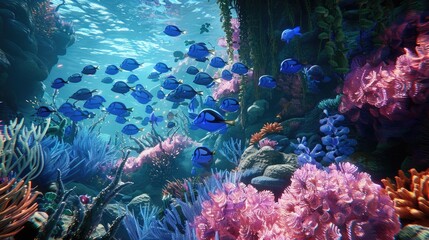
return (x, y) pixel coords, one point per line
(410, 196)
(90, 152)
(136, 229)
(232, 150)
(21, 151)
(17, 205)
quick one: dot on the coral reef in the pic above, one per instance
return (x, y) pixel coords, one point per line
(232, 150)
(267, 142)
(410, 196)
(392, 93)
(342, 203)
(34, 36)
(160, 156)
(17, 204)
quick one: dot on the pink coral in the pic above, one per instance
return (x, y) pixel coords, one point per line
(341, 202)
(394, 91)
(236, 212)
(227, 88)
(159, 155)
(267, 142)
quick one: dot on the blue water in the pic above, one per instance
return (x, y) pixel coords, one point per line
(109, 31)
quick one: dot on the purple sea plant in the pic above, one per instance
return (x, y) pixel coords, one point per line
(267, 142)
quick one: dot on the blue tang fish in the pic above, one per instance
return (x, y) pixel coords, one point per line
(75, 78)
(226, 75)
(203, 60)
(171, 83)
(198, 51)
(66, 108)
(118, 109)
(107, 80)
(203, 78)
(112, 70)
(173, 96)
(267, 81)
(79, 115)
(95, 102)
(149, 109)
(290, 66)
(239, 68)
(145, 121)
(173, 31)
(82, 94)
(58, 83)
(142, 95)
(217, 62)
(210, 102)
(121, 87)
(230, 105)
(162, 67)
(171, 124)
(132, 78)
(120, 119)
(153, 119)
(192, 70)
(202, 158)
(44, 111)
(193, 105)
(130, 64)
(288, 34)
(186, 91)
(211, 121)
(131, 129)
(89, 70)
(153, 75)
(160, 94)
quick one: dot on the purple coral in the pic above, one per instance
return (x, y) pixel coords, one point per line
(341, 203)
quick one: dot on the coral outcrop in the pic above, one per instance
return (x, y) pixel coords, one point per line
(411, 196)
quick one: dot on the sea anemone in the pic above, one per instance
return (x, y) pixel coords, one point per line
(256, 137)
(274, 127)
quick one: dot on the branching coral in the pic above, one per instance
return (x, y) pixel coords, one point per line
(410, 196)
(20, 150)
(17, 204)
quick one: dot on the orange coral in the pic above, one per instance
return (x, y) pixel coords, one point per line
(256, 137)
(271, 128)
(17, 204)
(410, 196)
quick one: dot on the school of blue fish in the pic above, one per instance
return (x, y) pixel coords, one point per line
(212, 116)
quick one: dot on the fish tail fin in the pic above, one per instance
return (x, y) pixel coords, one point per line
(97, 67)
(230, 122)
(200, 92)
(184, 32)
(214, 152)
(93, 91)
(185, 55)
(180, 81)
(212, 52)
(170, 68)
(130, 109)
(217, 80)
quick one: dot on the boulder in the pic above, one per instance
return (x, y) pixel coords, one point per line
(256, 110)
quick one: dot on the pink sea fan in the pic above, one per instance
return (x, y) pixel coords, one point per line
(236, 212)
(166, 150)
(267, 142)
(339, 203)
